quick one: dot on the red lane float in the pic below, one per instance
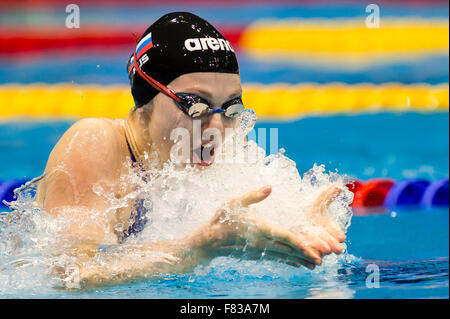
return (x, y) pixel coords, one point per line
(354, 186)
(25, 40)
(372, 193)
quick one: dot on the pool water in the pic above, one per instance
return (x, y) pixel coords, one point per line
(408, 249)
(398, 146)
(412, 264)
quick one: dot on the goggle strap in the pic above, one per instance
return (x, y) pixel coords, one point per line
(158, 86)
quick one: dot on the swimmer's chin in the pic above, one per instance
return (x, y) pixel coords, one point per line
(205, 163)
(195, 160)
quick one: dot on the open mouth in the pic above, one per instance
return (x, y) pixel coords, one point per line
(204, 155)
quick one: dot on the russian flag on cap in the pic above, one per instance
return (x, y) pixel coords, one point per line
(143, 45)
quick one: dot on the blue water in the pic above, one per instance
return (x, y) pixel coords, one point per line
(410, 248)
(403, 145)
(101, 69)
(410, 251)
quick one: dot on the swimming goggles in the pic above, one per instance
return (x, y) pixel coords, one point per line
(191, 104)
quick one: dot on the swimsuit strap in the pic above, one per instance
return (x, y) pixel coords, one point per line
(133, 158)
(139, 218)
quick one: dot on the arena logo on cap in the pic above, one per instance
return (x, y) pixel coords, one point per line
(214, 44)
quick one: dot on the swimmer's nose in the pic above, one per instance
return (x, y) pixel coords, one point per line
(214, 121)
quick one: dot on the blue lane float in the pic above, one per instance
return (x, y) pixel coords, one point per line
(436, 194)
(406, 193)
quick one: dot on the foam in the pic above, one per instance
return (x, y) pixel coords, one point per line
(178, 201)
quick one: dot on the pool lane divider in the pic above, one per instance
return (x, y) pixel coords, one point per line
(348, 41)
(340, 41)
(375, 193)
(372, 193)
(436, 194)
(27, 41)
(405, 194)
(273, 101)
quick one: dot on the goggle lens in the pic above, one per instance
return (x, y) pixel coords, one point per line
(195, 107)
(234, 110)
(198, 109)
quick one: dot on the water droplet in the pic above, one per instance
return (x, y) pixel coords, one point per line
(245, 122)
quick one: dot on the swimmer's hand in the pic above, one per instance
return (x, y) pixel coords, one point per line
(236, 231)
(325, 232)
(233, 231)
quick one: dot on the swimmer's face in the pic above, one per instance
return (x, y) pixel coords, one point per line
(217, 89)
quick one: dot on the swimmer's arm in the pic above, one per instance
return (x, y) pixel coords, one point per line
(85, 158)
(132, 262)
(223, 235)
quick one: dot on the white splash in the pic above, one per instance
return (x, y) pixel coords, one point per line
(178, 201)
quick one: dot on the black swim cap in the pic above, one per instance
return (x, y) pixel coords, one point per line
(176, 44)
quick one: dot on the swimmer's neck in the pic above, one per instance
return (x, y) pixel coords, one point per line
(137, 135)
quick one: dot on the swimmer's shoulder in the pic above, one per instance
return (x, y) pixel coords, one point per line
(92, 141)
(86, 155)
(94, 125)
